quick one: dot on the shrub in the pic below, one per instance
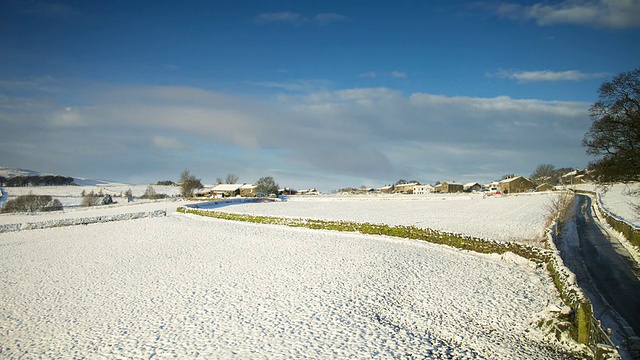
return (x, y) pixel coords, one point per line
(150, 193)
(128, 194)
(32, 203)
(90, 199)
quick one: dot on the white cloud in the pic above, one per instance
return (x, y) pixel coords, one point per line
(598, 13)
(399, 74)
(170, 143)
(68, 117)
(359, 133)
(547, 75)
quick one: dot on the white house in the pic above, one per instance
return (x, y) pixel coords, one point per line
(422, 189)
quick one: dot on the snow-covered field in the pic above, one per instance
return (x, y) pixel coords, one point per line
(618, 202)
(508, 218)
(189, 286)
(71, 196)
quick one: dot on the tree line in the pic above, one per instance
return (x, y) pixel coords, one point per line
(36, 180)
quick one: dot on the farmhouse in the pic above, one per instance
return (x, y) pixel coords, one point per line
(308, 192)
(576, 177)
(228, 190)
(248, 190)
(471, 187)
(206, 191)
(225, 190)
(544, 187)
(516, 185)
(451, 187)
(405, 188)
(387, 189)
(422, 189)
(287, 191)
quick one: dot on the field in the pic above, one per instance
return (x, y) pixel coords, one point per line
(188, 286)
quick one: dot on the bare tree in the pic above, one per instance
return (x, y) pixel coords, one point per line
(188, 183)
(543, 173)
(231, 178)
(615, 131)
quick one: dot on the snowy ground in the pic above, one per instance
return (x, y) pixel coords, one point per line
(189, 286)
(502, 218)
(71, 196)
(185, 286)
(618, 202)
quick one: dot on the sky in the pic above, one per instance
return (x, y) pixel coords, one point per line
(316, 94)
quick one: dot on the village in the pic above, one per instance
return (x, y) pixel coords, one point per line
(510, 184)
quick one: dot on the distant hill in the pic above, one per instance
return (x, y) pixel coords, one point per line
(11, 172)
(7, 172)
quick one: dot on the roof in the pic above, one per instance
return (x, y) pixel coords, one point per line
(471, 184)
(572, 173)
(407, 184)
(227, 187)
(514, 178)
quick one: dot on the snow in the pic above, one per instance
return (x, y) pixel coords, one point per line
(502, 218)
(188, 286)
(71, 196)
(617, 201)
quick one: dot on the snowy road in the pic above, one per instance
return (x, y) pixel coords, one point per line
(610, 266)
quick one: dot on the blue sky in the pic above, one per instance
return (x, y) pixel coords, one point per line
(323, 94)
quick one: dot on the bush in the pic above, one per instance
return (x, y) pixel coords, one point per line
(32, 203)
(166, 183)
(266, 186)
(128, 194)
(90, 199)
(151, 193)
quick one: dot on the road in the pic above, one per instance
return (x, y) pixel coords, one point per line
(610, 267)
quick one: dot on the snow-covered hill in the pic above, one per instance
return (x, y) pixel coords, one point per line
(14, 172)
(8, 172)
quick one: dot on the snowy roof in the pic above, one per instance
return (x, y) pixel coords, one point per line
(227, 187)
(513, 178)
(471, 184)
(572, 173)
(408, 184)
(248, 186)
